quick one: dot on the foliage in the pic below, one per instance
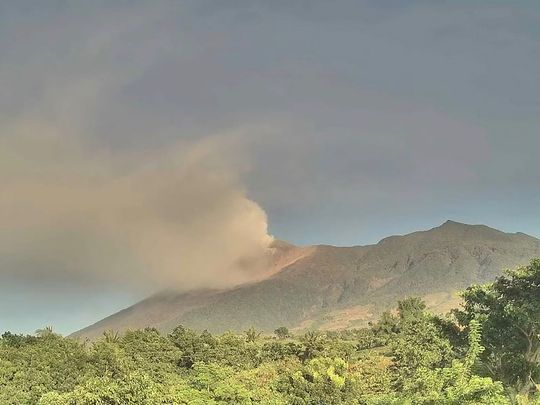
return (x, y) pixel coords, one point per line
(509, 311)
(408, 357)
(455, 384)
(282, 332)
(252, 335)
(419, 344)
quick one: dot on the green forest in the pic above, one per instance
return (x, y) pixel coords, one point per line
(486, 352)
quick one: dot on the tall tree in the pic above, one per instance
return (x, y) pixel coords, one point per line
(252, 334)
(282, 332)
(509, 310)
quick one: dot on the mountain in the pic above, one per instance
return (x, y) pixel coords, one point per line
(331, 287)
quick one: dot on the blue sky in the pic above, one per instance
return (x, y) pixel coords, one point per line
(343, 121)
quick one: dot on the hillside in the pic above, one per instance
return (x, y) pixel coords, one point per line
(332, 287)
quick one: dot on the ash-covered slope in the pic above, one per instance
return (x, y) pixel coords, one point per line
(335, 287)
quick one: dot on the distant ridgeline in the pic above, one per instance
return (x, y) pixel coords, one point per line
(331, 288)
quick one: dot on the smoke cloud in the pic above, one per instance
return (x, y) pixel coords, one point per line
(175, 217)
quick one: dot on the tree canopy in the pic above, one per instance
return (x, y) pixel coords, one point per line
(487, 353)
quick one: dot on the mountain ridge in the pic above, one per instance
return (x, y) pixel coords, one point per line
(329, 287)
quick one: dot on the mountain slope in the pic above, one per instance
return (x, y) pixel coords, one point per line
(334, 287)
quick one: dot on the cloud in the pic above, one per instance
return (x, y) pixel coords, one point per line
(167, 218)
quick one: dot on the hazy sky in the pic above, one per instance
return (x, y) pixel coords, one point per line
(138, 136)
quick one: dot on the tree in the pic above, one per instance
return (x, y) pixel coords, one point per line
(278, 350)
(386, 325)
(194, 347)
(111, 336)
(252, 335)
(411, 308)
(410, 360)
(46, 331)
(17, 340)
(419, 344)
(134, 389)
(455, 384)
(313, 343)
(32, 366)
(509, 311)
(150, 351)
(282, 332)
(322, 380)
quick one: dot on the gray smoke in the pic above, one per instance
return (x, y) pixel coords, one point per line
(170, 218)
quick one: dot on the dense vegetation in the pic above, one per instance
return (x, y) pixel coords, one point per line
(486, 353)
